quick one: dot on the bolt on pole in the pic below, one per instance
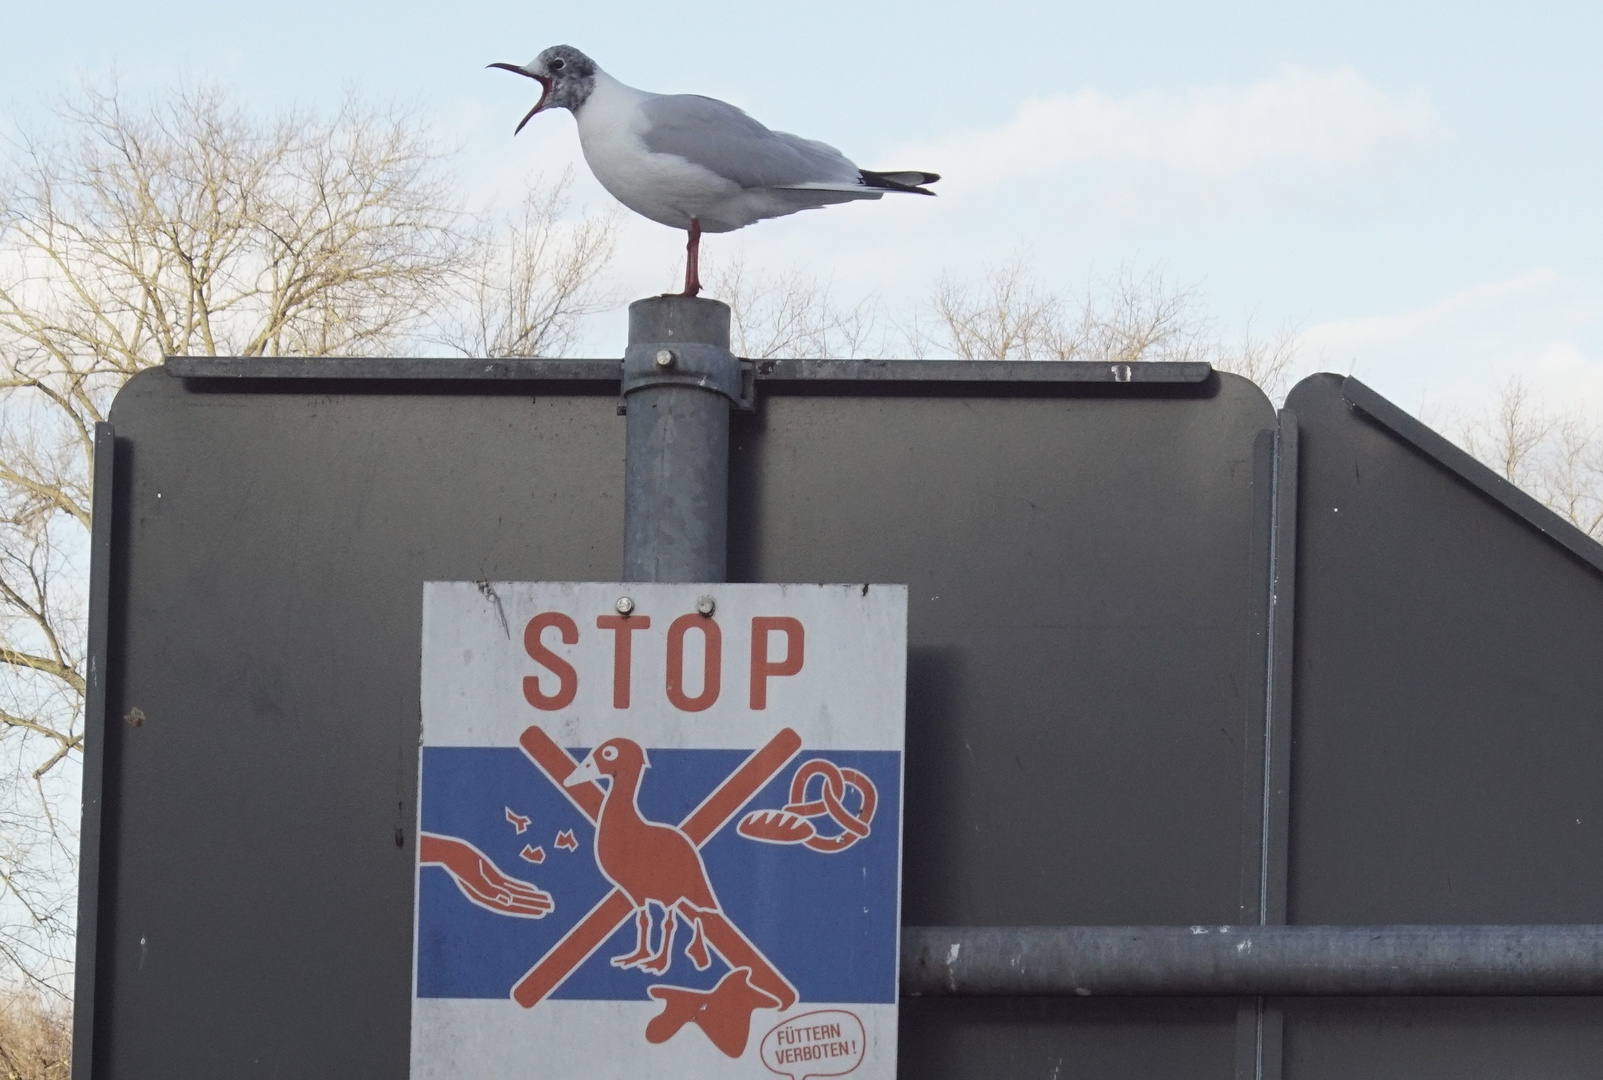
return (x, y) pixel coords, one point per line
(679, 381)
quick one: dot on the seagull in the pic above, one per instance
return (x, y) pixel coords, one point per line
(693, 162)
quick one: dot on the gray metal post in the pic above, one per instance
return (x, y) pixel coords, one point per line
(679, 379)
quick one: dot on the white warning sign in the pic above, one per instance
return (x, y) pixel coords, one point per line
(659, 830)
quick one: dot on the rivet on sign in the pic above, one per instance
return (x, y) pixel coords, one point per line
(705, 606)
(1122, 373)
(665, 358)
(624, 605)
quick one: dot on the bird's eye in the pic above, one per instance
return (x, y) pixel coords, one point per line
(557, 65)
(610, 753)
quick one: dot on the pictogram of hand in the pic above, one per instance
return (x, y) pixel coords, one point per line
(480, 880)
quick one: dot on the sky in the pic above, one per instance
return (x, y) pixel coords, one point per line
(1412, 186)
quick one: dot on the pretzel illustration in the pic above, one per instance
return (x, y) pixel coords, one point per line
(794, 823)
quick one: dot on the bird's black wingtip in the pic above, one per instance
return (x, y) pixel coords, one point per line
(908, 180)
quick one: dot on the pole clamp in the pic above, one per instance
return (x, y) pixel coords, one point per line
(687, 363)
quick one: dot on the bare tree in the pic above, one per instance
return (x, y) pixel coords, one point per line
(1511, 436)
(1555, 455)
(1126, 318)
(184, 228)
(192, 227)
(1573, 479)
(793, 314)
(532, 280)
(1129, 318)
(35, 1037)
(1267, 361)
(1008, 316)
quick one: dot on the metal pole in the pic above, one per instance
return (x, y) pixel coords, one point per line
(679, 380)
(1249, 961)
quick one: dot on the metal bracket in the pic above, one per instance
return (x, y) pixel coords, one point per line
(683, 363)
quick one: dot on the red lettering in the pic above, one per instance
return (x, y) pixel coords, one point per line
(622, 652)
(762, 668)
(712, 662)
(567, 678)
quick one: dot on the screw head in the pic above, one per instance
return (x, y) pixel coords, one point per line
(624, 605)
(665, 359)
(705, 606)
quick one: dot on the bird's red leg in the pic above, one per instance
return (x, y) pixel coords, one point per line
(697, 949)
(659, 963)
(693, 260)
(642, 941)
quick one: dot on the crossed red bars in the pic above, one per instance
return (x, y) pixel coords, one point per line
(715, 811)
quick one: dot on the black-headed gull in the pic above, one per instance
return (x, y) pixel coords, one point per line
(696, 163)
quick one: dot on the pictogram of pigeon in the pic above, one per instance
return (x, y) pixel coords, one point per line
(693, 162)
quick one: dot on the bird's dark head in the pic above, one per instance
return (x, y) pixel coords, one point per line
(611, 758)
(565, 75)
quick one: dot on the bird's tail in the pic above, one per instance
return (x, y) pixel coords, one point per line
(911, 180)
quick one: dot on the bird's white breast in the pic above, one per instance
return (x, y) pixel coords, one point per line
(663, 187)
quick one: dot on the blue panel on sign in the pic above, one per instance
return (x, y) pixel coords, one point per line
(825, 918)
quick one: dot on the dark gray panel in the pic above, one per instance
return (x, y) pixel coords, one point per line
(1086, 679)
(1449, 694)
(257, 875)
(1448, 739)
(1444, 1039)
(1043, 1039)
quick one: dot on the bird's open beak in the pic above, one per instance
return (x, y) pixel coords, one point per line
(586, 772)
(545, 90)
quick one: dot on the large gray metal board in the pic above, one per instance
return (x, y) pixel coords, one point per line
(1085, 673)
(1448, 726)
(1088, 564)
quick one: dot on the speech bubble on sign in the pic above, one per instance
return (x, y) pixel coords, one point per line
(828, 1042)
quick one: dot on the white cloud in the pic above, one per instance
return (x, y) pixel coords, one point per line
(1449, 314)
(1308, 120)
(1448, 358)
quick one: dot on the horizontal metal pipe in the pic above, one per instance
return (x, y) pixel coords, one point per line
(1243, 961)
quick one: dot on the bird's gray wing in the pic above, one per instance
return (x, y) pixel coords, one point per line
(724, 140)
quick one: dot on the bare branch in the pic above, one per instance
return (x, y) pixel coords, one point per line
(793, 315)
(532, 279)
(1554, 454)
(68, 742)
(44, 665)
